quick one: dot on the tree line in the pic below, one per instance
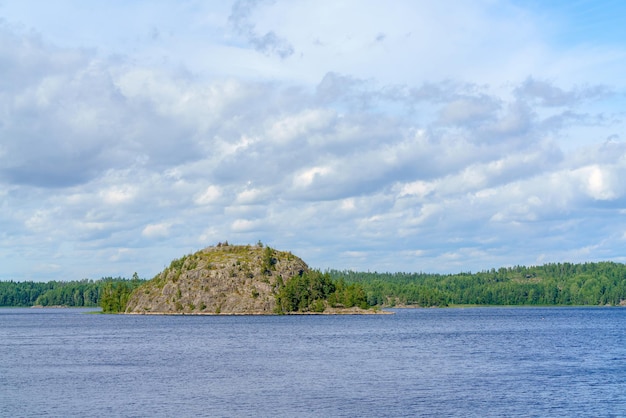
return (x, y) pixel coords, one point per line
(602, 283)
(78, 293)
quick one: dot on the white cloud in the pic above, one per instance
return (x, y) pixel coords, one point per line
(209, 196)
(469, 110)
(417, 188)
(354, 254)
(301, 125)
(40, 220)
(598, 182)
(159, 230)
(117, 195)
(250, 196)
(306, 177)
(348, 204)
(401, 138)
(244, 225)
(122, 253)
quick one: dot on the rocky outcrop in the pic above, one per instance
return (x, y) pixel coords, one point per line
(225, 279)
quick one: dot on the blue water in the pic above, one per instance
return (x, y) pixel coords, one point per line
(429, 362)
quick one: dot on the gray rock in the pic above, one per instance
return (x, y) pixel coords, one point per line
(225, 279)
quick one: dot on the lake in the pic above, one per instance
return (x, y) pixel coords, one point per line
(419, 362)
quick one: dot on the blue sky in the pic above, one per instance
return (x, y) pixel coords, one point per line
(406, 136)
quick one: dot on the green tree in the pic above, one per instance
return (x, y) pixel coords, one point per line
(269, 261)
(305, 292)
(115, 297)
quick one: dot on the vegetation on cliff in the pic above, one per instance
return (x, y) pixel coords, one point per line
(237, 279)
(242, 279)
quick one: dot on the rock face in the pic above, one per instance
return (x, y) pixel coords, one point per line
(226, 279)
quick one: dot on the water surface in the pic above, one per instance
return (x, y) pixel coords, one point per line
(427, 362)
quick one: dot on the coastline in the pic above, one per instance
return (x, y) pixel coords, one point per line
(329, 311)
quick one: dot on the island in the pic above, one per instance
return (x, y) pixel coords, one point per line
(256, 279)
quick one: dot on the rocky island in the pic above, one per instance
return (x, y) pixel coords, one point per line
(244, 280)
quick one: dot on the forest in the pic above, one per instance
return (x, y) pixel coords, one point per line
(104, 292)
(597, 284)
(602, 283)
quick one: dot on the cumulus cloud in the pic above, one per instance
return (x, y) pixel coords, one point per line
(209, 196)
(547, 94)
(338, 146)
(469, 110)
(160, 230)
(600, 183)
(117, 195)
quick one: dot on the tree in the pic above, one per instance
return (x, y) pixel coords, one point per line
(306, 292)
(115, 297)
(269, 260)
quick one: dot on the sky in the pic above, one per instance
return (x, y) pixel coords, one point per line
(414, 136)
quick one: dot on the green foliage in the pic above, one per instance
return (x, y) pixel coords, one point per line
(551, 284)
(269, 261)
(348, 295)
(178, 263)
(311, 291)
(115, 294)
(24, 293)
(300, 293)
(82, 293)
(113, 298)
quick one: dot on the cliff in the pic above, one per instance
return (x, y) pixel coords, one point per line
(225, 279)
